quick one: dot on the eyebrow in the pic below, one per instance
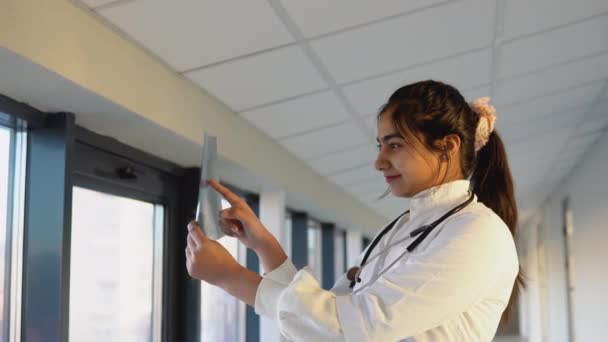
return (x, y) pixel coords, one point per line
(389, 136)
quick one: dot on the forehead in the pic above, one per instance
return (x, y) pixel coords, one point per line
(385, 128)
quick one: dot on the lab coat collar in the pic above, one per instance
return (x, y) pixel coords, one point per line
(438, 199)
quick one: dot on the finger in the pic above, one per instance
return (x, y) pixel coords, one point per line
(197, 234)
(230, 196)
(226, 228)
(228, 213)
(188, 253)
(191, 243)
(230, 228)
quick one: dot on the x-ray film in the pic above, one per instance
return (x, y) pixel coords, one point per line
(209, 200)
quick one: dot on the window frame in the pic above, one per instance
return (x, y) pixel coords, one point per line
(97, 160)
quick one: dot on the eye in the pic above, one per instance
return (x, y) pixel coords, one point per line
(393, 146)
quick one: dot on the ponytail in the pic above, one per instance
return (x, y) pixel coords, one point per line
(493, 185)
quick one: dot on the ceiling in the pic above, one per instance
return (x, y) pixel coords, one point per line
(312, 74)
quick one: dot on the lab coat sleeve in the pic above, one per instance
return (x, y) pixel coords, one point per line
(415, 295)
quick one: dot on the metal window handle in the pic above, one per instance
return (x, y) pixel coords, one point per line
(126, 172)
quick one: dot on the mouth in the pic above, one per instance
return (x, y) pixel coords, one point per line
(391, 178)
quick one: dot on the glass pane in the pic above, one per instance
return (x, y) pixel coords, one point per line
(314, 251)
(220, 312)
(5, 147)
(288, 228)
(112, 261)
(339, 266)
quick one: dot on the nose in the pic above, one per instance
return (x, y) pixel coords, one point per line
(381, 162)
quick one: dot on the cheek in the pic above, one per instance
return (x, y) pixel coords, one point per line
(415, 173)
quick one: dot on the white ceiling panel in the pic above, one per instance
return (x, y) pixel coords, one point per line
(325, 141)
(543, 148)
(357, 175)
(296, 116)
(563, 167)
(372, 123)
(336, 162)
(550, 48)
(545, 105)
(368, 96)
(264, 78)
(316, 17)
(550, 80)
(96, 3)
(581, 143)
(525, 16)
(406, 41)
(596, 121)
(189, 33)
(528, 129)
(475, 93)
(571, 154)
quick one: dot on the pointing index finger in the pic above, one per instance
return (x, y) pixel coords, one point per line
(230, 196)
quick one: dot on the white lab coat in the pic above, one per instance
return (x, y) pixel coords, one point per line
(453, 287)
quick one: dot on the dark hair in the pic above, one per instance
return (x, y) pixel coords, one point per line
(429, 111)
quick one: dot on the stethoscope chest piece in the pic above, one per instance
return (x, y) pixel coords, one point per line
(353, 275)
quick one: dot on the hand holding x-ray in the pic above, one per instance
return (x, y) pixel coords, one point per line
(209, 201)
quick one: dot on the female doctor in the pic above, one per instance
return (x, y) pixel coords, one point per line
(445, 270)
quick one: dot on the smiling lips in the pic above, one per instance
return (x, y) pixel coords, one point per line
(391, 178)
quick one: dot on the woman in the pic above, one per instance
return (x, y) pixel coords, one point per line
(449, 283)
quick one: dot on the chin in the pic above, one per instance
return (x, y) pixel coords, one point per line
(402, 192)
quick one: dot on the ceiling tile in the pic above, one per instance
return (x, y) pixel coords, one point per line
(525, 16)
(571, 154)
(475, 93)
(596, 121)
(368, 96)
(315, 17)
(407, 41)
(371, 122)
(261, 79)
(550, 80)
(184, 33)
(545, 105)
(529, 129)
(554, 47)
(336, 162)
(325, 141)
(529, 160)
(567, 162)
(96, 3)
(297, 116)
(582, 143)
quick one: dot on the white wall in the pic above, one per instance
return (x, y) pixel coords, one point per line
(546, 302)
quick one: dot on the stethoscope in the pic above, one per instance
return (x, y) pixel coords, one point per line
(422, 232)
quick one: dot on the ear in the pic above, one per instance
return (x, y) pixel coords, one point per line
(452, 144)
(449, 145)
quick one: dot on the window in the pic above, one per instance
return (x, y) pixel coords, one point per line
(115, 274)
(12, 187)
(288, 234)
(222, 316)
(314, 249)
(5, 151)
(339, 252)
